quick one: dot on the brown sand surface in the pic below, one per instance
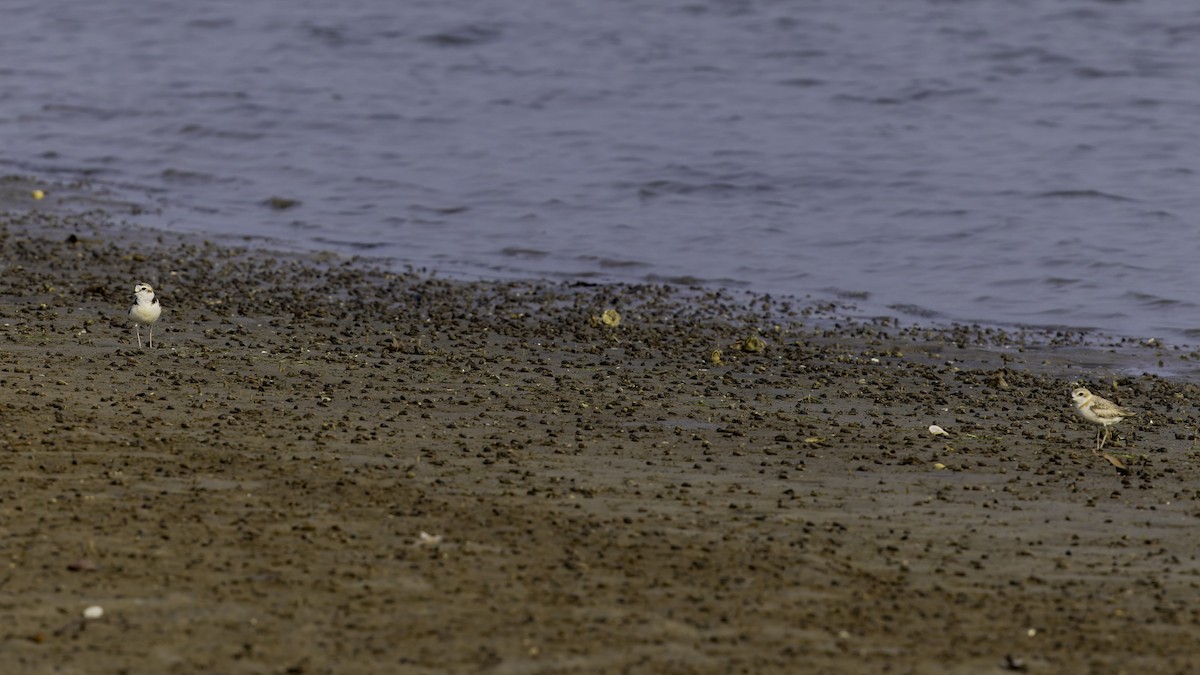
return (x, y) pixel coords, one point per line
(327, 467)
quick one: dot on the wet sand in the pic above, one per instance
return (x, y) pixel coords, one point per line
(327, 467)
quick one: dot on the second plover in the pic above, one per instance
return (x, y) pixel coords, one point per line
(1099, 410)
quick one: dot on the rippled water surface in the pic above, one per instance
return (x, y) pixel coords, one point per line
(1016, 162)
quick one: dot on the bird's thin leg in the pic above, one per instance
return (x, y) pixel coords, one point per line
(138, 332)
(151, 337)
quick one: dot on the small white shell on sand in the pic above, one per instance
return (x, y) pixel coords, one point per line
(938, 431)
(93, 612)
(426, 539)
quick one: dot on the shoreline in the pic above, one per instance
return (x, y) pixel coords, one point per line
(327, 466)
(66, 199)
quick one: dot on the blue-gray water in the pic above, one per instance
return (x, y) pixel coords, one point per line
(1017, 162)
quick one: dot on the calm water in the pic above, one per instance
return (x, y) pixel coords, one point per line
(1019, 162)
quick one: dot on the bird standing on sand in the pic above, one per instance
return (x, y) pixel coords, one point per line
(1099, 410)
(145, 311)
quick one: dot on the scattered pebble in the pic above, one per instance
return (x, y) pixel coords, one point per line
(610, 318)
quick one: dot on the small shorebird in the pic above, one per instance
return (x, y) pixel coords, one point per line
(145, 311)
(1099, 410)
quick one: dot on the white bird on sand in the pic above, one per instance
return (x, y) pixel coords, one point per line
(1099, 410)
(145, 311)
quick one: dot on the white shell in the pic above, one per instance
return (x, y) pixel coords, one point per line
(426, 539)
(93, 612)
(938, 431)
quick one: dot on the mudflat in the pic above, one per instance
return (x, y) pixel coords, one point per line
(324, 466)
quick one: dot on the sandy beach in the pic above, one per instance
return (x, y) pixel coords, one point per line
(326, 466)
